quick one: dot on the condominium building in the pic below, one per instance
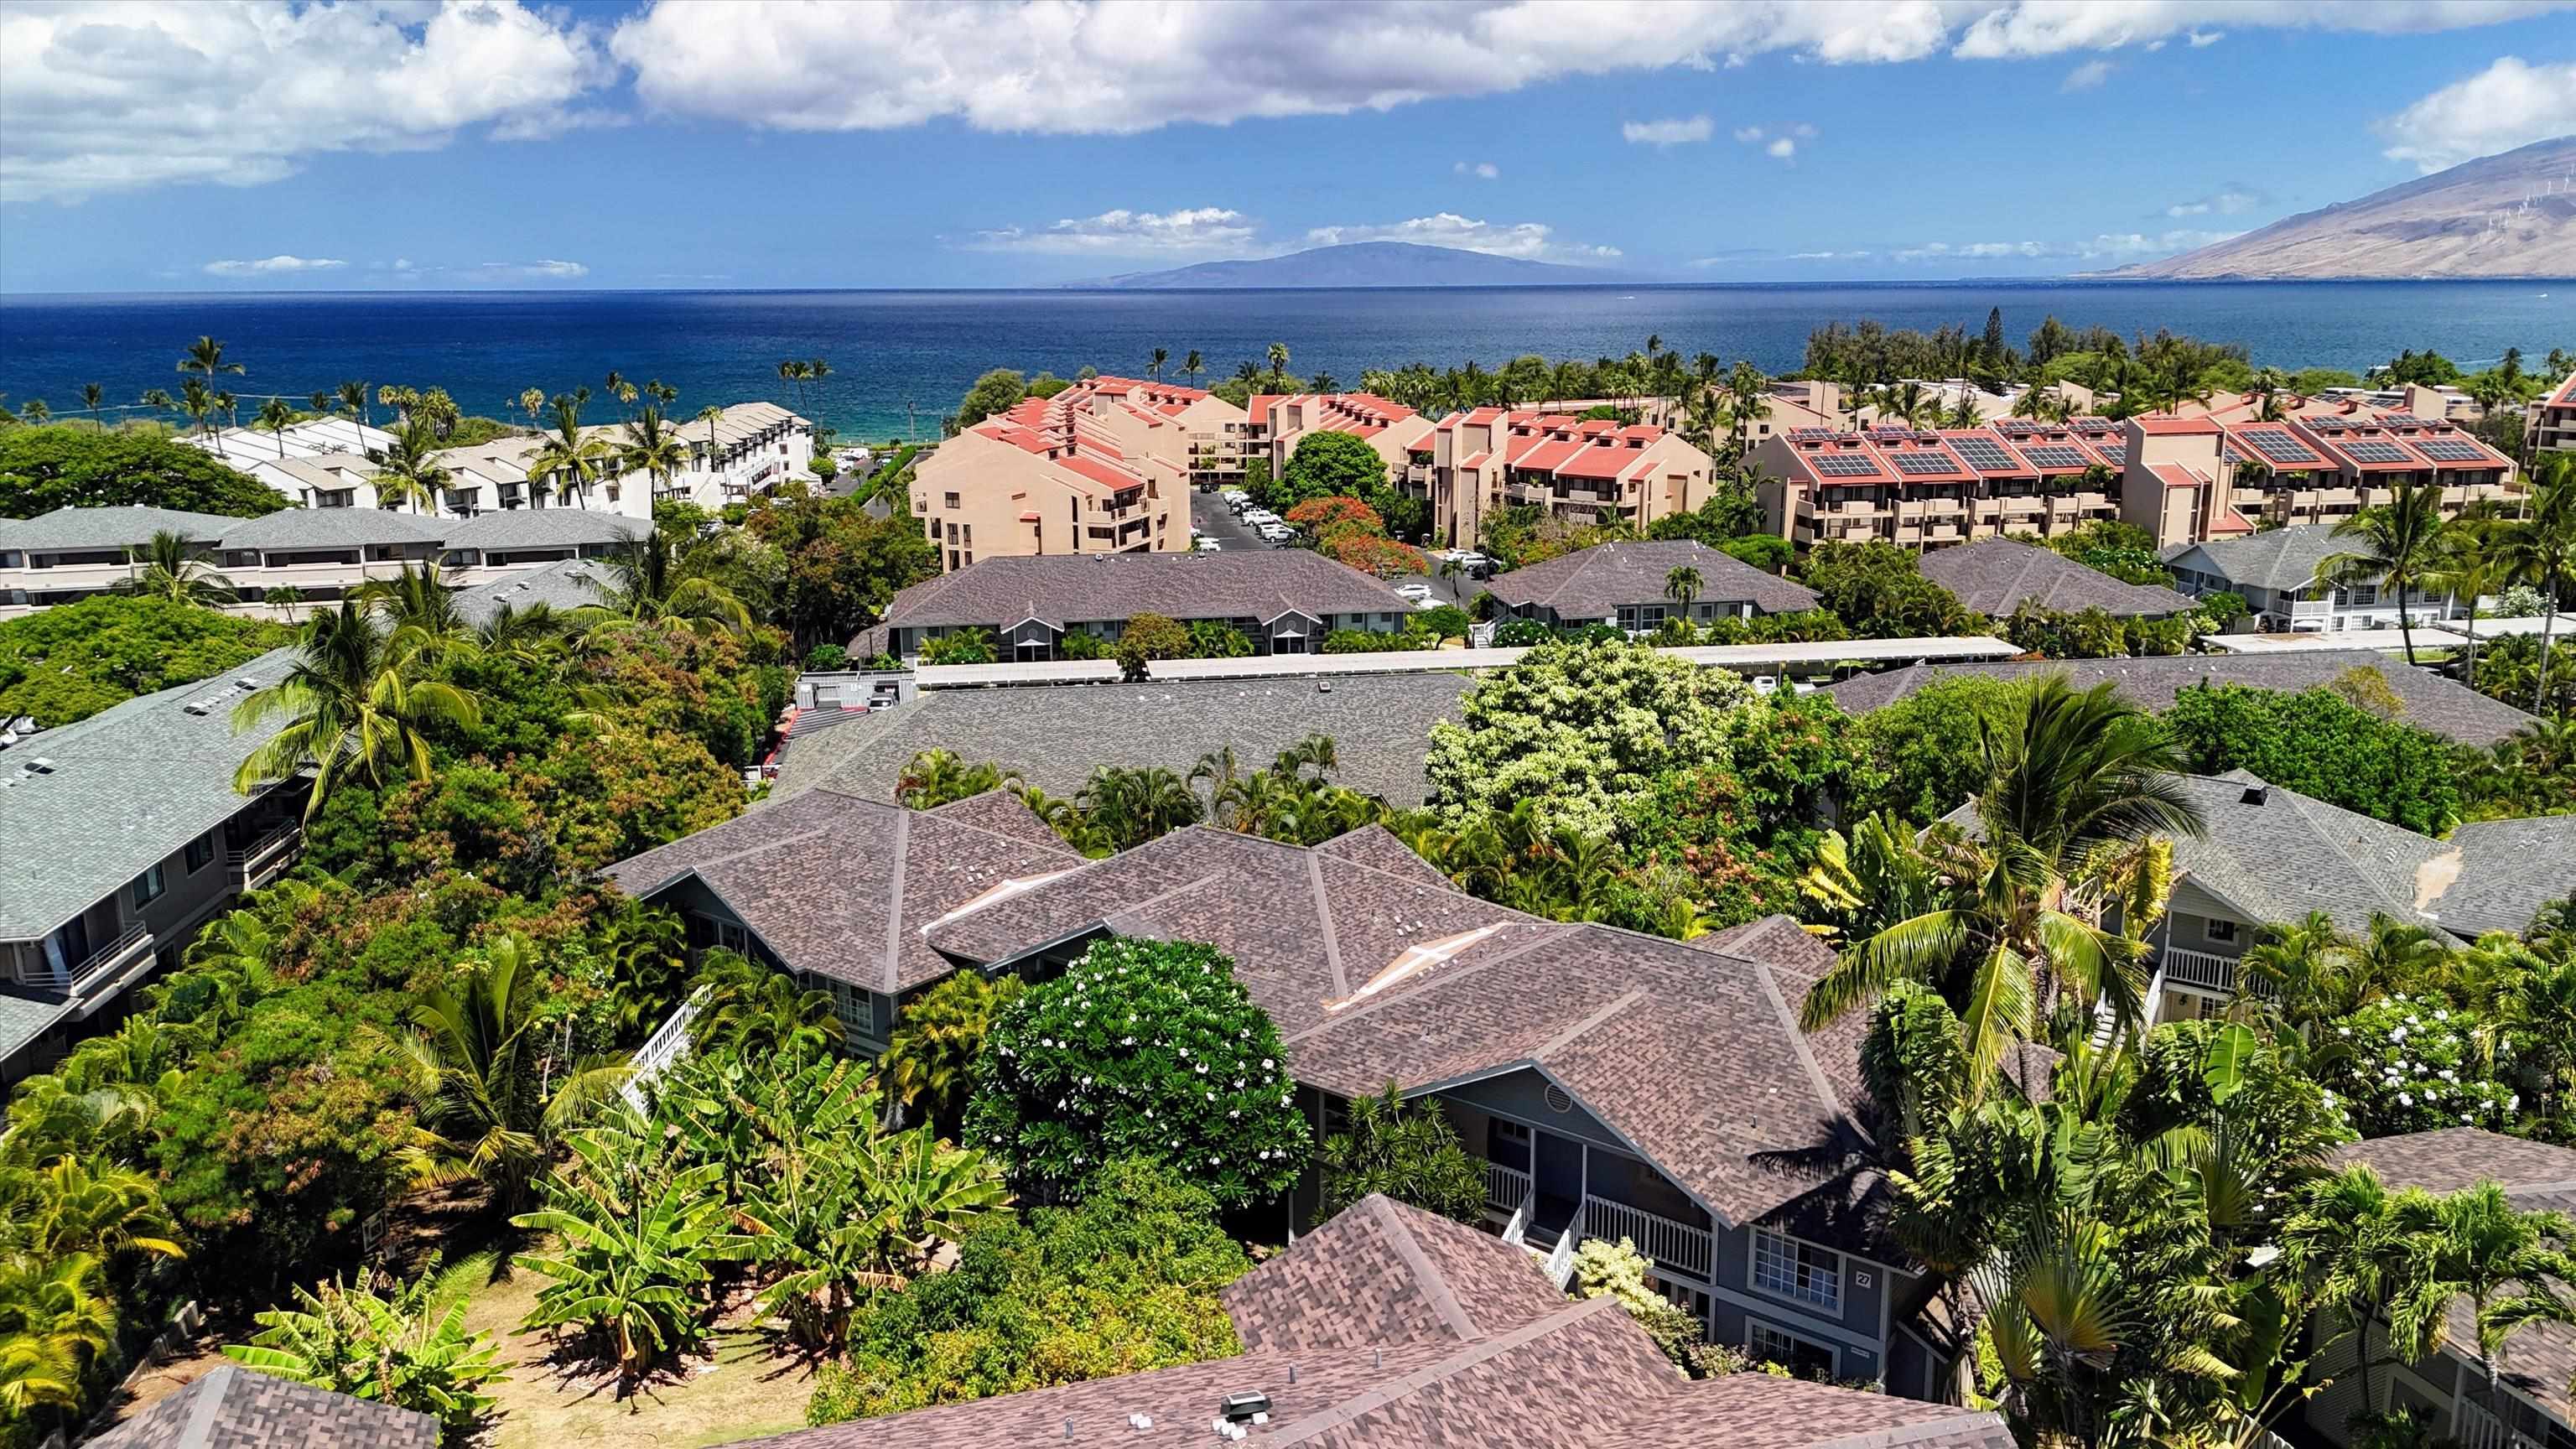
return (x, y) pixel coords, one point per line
(1086, 471)
(1391, 429)
(2277, 574)
(2549, 425)
(2324, 467)
(1474, 464)
(1193, 428)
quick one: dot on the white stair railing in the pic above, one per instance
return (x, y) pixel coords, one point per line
(669, 1043)
(1560, 1263)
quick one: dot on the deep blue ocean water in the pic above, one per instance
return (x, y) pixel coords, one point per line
(890, 348)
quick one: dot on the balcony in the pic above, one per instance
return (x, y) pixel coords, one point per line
(265, 859)
(101, 969)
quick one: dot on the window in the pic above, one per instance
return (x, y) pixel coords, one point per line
(1787, 1268)
(2361, 596)
(947, 500)
(148, 887)
(856, 1008)
(2217, 930)
(201, 851)
(1806, 1359)
(1507, 1143)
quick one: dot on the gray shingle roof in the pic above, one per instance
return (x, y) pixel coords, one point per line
(118, 527)
(2450, 710)
(2509, 869)
(842, 887)
(563, 586)
(129, 785)
(2285, 558)
(1381, 724)
(25, 1016)
(1105, 587)
(332, 528)
(1994, 575)
(237, 1408)
(508, 528)
(1595, 583)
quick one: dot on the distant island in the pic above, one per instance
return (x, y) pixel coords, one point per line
(2509, 215)
(1363, 264)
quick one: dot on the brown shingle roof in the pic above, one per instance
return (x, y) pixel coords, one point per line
(237, 1408)
(1384, 1273)
(1104, 587)
(842, 887)
(1594, 583)
(1994, 575)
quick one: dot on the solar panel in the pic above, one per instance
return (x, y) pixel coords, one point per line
(2056, 455)
(1842, 465)
(2371, 450)
(2452, 450)
(1803, 434)
(2278, 446)
(2325, 425)
(1985, 455)
(1926, 460)
(2115, 449)
(2404, 420)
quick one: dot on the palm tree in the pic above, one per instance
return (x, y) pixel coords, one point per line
(494, 1099)
(352, 704)
(753, 1013)
(533, 403)
(816, 369)
(198, 401)
(2475, 1244)
(615, 385)
(73, 1209)
(711, 415)
(55, 1321)
(158, 399)
(170, 569)
(1682, 584)
(2470, 571)
(408, 470)
(2268, 384)
(1278, 365)
(572, 457)
(2400, 545)
(277, 417)
(419, 610)
(353, 402)
(2349, 1240)
(92, 395)
(1193, 365)
(206, 359)
(929, 1063)
(646, 585)
(2079, 789)
(1154, 363)
(653, 448)
(35, 411)
(231, 405)
(2540, 549)
(791, 372)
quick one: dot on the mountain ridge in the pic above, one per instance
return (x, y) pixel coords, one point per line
(2510, 215)
(1361, 264)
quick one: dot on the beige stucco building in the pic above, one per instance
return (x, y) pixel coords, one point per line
(1105, 466)
(1473, 464)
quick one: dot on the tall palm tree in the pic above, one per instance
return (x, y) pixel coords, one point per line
(2509, 1264)
(35, 411)
(352, 705)
(816, 369)
(198, 401)
(2349, 1239)
(353, 402)
(408, 470)
(168, 568)
(1683, 584)
(419, 610)
(277, 417)
(571, 456)
(157, 399)
(2540, 549)
(2398, 545)
(615, 385)
(206, 359)
(495, 1101)
(1154, 363)
(2471, 569)
(58, 1321)
(647, 584)
(533, 403)
(711, 415)
(92, 395)
(1278, 365)
(1193, 365)
(2268, 385)
(653, 448)
(2080, 789)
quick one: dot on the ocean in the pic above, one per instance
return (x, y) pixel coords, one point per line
(901, 359)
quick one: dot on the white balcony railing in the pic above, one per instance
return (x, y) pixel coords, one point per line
(84, 975)
(1674, 1247)
(1506, 1188)
(2200, 968)
(265, 859)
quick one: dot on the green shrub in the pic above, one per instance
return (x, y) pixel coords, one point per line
(824, 658)
(966, 646)
(65, 466)
(408, 1350)
(1521, 633)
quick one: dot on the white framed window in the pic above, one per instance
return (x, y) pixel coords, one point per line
(1802, 1356)
(856, 1008)
(1802, 1272)
(2217, 930)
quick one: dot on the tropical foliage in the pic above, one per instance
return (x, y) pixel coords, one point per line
(70, 661)
(406, 1348)
(65, 466)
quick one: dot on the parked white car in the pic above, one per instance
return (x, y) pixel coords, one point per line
(1209, 545)
(1420, 594)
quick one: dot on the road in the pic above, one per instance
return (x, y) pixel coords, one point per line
(1209, 515)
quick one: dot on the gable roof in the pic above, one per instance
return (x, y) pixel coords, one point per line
(1390, 1328)
(237, 1408)
(845, 888)
(2508, 870)
(122, 526)
(508, 528)
(1058, 589)
(2451, 710)
(1994, 575)
(127, 787)
(564, 585)
(2285, 559)
(332, 528)
(1595, 582)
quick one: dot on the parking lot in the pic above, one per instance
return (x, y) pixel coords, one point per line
(1210, 516)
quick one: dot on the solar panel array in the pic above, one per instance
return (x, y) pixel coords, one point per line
(2371, 450)
(1926, 460)
(2056, 455)
(1842, 465)
(2326, 425)
(1805, 434)
(2451, 450)
(2278, 446)
(1985, 455)
(2404, 420)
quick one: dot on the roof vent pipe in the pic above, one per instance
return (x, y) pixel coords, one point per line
(2256, 794)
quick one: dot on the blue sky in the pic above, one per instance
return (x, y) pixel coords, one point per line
(486, 143)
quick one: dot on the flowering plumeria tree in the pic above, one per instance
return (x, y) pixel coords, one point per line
(1142, 1048)
(2411, 1065)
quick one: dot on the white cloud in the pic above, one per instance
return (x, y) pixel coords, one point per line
(1673, 132)
(2129, 246)
(2506, 105)
(2229, 200)
(1529, 240)
(1124, 233)
(1748, 134)
(2053, 27)
(2085, 77)
(1803, 130)
(2106, 245)
(2203, 39)
(113, 95)
(1784, 148)
(276, 266)
(545, 270)
(1483, 170)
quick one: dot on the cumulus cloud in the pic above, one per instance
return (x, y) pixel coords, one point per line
(2120, 246)
(2228, 200)
(280, 265)
(1675, 132)
(115, 95)
(543, 270)
(1748, 134)
(2506, 105)
(1482, 170)
(1127, 233)
(2053, 27)
(2085, 77)
(1529, 240)
(2203, 39)
(1782, 147)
